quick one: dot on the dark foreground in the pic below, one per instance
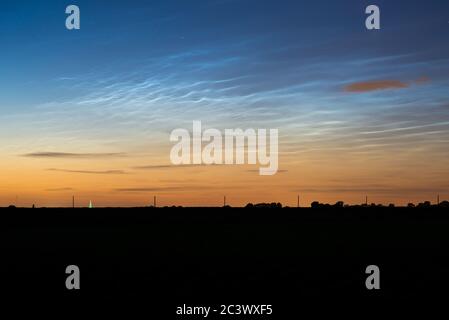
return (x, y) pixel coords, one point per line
(167, 257)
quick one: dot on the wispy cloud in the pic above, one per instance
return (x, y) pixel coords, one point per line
(89, 171)
(71, 155)
(422, 80)
(150, 189)
(376, 85)
(169, 166)
(177, 188)
(257, 170)
(367, 86)
(59, 189)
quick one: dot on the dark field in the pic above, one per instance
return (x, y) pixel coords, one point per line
(166, 257)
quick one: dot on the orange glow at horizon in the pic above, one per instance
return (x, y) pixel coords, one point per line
(325, 178)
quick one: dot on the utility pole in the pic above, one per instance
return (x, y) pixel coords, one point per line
(298, 202)
(366, 200)
(73, 202)
(224, 201)
(154, 201)
(438, 199)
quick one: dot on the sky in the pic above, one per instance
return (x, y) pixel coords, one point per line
(89, 112)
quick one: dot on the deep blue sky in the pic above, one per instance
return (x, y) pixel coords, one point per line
(231, 38)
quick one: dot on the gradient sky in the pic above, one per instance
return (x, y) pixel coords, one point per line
(89, 112)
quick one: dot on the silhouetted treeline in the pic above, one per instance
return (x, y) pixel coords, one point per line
(340, 204)
(316, 204)
(264, 205)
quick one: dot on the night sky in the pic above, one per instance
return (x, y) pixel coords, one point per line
(89, 112)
